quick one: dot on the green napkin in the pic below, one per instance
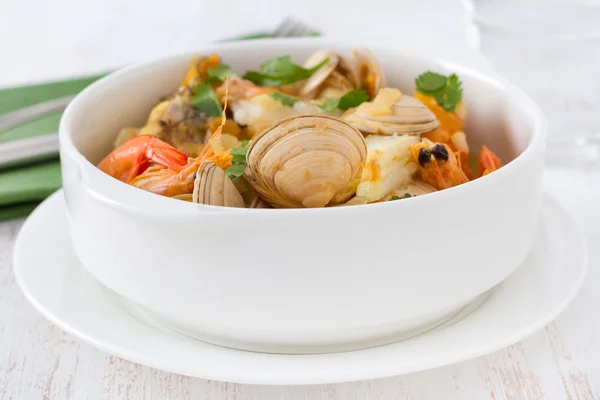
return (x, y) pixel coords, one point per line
(22, 188)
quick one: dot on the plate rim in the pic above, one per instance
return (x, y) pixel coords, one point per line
(375, 372)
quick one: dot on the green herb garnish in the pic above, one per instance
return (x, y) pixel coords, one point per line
(205, 100)
(353, 98)
(405, 196)
(218, 74)
(447, 91)
(285, 100)
(238, 163)
(281, 71)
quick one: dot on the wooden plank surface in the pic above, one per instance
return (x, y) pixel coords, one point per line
(38, 361)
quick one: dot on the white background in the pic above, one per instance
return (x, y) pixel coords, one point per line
(48, 39)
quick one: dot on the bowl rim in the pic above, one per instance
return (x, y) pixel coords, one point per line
(132, 200)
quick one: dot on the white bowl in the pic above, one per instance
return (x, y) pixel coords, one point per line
(301, 280)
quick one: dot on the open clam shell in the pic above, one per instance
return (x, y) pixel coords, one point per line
(213, 187)
(333, 79)
(392, 112)
(312, 84)
(304, 161)
(370, 74)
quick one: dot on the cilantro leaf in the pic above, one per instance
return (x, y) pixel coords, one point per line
(431, 81)
(281, 71)
(235, 171)
(330, 104)
(238, 163)
(285, 100)
(280, 66)
(353, 98)
(219, 73)
(447, 91)
(205, 100)
(405, 196)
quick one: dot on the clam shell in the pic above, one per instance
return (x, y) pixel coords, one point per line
(213, 187)
(355, 201)
(312, 84)
(407, 116)
(257, 202)
(337, 74)
(366, 64)
(415, 188)
(304, 161)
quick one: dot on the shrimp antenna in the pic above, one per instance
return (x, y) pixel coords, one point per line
(208, 150)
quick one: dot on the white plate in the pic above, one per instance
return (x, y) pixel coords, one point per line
(54, 281)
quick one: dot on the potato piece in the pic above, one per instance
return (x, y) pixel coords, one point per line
(389, 165)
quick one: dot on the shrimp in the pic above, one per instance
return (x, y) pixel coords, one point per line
(488, 161)
(172, 182)
(439, 166)
(169, 182)
(241, 89)
(134, 156)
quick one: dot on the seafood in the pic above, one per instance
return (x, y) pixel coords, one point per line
(262, 111)
(439, 166)
(213, 187)
(413, 189)
(259, 203)
(173, 182)
(304, 161)
(135, 155)
(327, 133)
(370, 74)
(488, 161)
(312, 84)
(390, 113)
(388, 166)
(333, 79)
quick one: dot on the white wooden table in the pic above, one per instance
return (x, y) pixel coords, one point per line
(38, 361)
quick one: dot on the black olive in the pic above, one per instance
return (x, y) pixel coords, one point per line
(424, 157)
(439, 152)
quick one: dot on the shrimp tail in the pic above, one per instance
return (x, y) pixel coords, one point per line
(488, 161)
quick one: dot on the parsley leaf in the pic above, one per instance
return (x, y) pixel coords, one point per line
(405, 196)
(330, 104)
(238, 163)
(430, 81)
(219, 73)
(205, 100)
(447, 91)
(281, 71)
(235, 171)
(353, 98)
(285, 100)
